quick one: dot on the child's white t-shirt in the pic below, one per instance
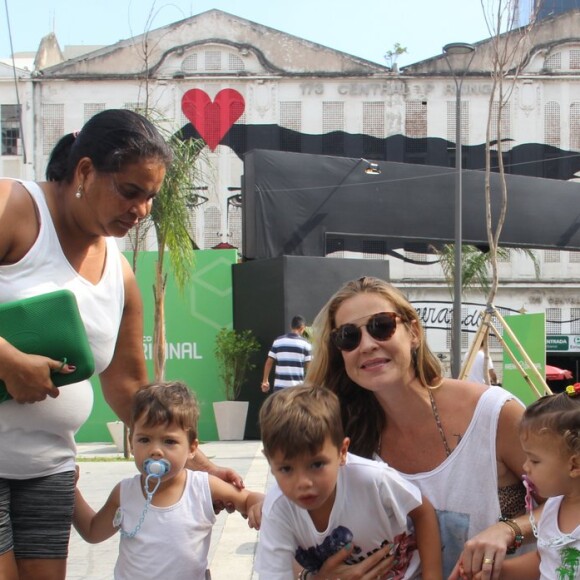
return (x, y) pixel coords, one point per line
(372, 502)
(559, 553)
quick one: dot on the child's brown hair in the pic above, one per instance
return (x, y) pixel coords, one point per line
(298, 420)
(557, 415)
(165, 403)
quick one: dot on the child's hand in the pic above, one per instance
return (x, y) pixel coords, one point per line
(254, 516)
(77, 473)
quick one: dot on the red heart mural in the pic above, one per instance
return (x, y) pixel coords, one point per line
(212, 120)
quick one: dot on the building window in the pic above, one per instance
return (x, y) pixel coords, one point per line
(416, 126)
(189, 63)
(213, 219)
(575, 126)
(553, 321)
(574, 257)
(291, 120)
(374, 130)
(52, 126)
(552, 124)
(574, 59)
(575, 321)
(235, 63)
(451, 114)
(235, 225)
(505, 125)
(334, 248)
(332, 128)
(416, 256)
(554, 62)
(92, 109)
(552, 256)
(10, 127)
(213, 60)
(373, 249)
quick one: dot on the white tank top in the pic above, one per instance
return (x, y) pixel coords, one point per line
(172, 542)
(463, 489)
(38, 439)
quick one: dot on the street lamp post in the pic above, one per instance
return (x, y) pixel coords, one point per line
(457, 48)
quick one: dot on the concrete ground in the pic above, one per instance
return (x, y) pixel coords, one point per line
(233, 544)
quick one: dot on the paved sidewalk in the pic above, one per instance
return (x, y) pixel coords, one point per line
(233, 543)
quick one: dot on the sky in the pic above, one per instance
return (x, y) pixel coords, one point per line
(364, 29)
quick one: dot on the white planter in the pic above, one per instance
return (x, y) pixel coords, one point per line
(116, 431)
(230, 418)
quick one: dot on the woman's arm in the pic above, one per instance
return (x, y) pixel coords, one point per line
(200, 462)
(27, 377)
(428, 540)
(127, 372)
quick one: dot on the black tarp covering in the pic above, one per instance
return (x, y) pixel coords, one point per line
(308, 205)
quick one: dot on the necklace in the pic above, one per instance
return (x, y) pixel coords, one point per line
(438, 421)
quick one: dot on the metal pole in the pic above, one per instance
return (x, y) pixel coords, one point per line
(458, 48)
(456, 330)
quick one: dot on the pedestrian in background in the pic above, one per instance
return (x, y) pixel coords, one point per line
(290, 353)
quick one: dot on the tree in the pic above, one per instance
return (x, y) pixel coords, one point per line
(392, 55)
(170, 218)
(475, 266)
(508, 49)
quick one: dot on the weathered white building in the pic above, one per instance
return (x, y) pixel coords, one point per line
(240, 85)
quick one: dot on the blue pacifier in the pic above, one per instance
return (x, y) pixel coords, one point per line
(156, 467)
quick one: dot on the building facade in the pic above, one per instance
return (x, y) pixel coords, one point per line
(241, 86)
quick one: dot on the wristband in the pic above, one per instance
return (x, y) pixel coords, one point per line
(304, 573)
(518, 536)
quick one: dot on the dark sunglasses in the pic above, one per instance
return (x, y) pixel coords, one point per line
(381, 326)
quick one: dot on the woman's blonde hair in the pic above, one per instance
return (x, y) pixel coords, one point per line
(363, 419)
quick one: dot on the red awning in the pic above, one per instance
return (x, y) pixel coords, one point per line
(556, 374)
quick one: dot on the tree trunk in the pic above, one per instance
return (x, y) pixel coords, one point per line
(159, 340)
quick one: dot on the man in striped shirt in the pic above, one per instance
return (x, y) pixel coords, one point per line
(291, 353)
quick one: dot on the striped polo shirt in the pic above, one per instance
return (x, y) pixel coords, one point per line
(291, 353)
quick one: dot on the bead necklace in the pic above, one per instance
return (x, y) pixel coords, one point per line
(438, 421)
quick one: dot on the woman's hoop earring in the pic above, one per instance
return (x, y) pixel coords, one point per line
(79, 192)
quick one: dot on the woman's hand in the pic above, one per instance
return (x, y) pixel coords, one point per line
(374, 567)
(484, 553)
(28, 376)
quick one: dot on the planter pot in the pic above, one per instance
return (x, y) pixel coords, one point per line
(230, 418)
(116, 431)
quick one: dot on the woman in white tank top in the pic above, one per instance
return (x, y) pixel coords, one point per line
(58, 234)
(455, 440)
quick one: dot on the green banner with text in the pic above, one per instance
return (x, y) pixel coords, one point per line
(193, 318)
(530, 331)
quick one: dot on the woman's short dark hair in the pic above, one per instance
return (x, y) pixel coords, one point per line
(110, 139)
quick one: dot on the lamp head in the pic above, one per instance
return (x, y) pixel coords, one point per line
(458, 48)
(371, 168)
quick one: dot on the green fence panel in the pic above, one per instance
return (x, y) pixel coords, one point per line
(193, 319)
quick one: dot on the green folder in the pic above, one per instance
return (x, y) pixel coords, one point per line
(49, 325)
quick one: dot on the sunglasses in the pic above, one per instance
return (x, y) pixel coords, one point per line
(380, 326)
